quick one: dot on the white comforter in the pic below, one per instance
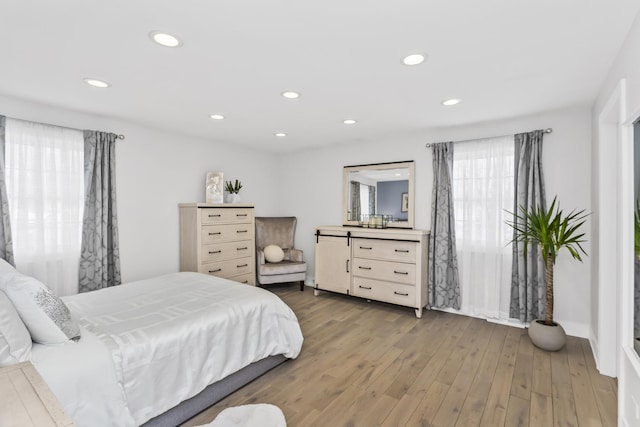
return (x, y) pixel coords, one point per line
(149, 345)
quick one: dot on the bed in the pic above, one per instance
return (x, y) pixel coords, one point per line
(158, 351)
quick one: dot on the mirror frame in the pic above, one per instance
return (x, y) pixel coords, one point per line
(409, 164)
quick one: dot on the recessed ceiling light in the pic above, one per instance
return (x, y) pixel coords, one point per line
(413, 59)
(349, 122)
(280, 134)
(450, 102)
(291, 95)
(97, 83)
(165, 39)
(217, 116)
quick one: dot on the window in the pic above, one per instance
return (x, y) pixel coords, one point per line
(45, 188)
(483, 188)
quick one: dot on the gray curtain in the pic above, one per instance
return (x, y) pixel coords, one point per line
(527, 277)
(6, 245)
(100, 254)
(372, 199)
(444, 284)
(355, 201)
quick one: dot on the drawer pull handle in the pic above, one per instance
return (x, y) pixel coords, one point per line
(364, 287)
(241, 231)
(364, 268)
(365, 247)
(241, 214)
(215, 216)
(400, 293)
(215, 271)
(245, 282)
(214, 252)
(242, 249)
(404, 251)
(243, 265)
(400, 272)
(215, 234)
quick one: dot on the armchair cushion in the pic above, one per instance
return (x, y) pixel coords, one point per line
(283, 267)
(273, 253)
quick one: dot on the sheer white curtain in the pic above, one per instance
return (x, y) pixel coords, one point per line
(483, 187)
(45, 188)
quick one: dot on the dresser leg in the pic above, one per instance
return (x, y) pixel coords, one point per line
(418, 312)
(301, 285)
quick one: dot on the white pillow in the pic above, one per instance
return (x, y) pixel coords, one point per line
(45, 315)
(273, 253)
(15, 341)
(5, 267)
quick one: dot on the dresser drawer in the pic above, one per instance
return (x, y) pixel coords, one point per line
(247, 279)
(229, 268)
(226, 233)
(385, 270)
(391, 250)
(226, 215)
(228, 250)
(379, 290)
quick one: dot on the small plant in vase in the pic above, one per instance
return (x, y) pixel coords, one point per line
(232, 189)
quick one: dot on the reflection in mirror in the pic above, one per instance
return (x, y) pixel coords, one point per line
(636, 188)
(380, 192)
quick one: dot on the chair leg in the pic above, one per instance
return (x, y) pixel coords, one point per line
(301, 285)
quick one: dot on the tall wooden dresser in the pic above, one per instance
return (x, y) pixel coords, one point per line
(218, 239)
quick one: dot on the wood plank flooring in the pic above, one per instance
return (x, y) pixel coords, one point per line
(373, 364)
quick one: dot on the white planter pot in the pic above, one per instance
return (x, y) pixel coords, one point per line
(550, 338)
(232, 198)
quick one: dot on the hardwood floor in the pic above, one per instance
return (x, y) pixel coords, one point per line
(373, 364)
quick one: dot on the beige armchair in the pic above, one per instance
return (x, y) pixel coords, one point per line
(279, 231)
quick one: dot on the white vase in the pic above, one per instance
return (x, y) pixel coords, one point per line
(550, 338)
(233, 198)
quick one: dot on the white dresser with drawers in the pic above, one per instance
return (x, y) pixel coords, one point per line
(388, 265)
(218, 239)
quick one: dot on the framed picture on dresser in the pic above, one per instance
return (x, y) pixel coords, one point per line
(214, 184)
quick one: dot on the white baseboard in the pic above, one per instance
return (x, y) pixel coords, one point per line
(575, 329)
(593, 342)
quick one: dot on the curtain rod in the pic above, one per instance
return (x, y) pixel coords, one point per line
(429, 145)
(118, 136)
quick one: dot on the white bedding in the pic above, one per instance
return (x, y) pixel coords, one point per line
(146, 346)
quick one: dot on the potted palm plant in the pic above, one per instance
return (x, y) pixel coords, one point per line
(550, 230)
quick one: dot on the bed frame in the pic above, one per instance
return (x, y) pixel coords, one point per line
(214, 393)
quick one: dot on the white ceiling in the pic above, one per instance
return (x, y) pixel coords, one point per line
(503, 58)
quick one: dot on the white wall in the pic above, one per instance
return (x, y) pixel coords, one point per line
(627, 67)
(156, 170)
(313, 178)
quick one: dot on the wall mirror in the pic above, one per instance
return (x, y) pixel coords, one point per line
(382, 190)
